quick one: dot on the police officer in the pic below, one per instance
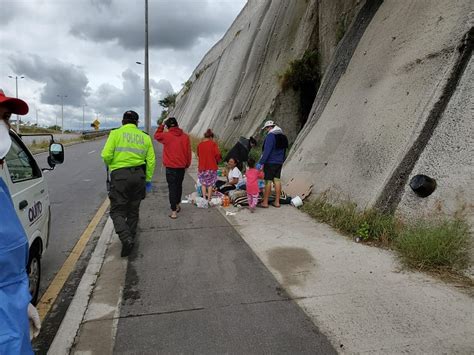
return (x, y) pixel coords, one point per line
(130, 157)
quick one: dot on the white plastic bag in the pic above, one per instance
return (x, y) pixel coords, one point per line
(215, 201)
(202, 202)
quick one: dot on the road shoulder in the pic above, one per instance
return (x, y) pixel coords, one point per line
(357, 295)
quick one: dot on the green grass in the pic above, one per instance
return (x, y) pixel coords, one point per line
(187, 86)
(33, 129)
(301, 73)
(43, 146)
(369, 224)
(424, 245)
(442, 245)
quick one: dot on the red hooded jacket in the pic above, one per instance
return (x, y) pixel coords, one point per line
(176, 147)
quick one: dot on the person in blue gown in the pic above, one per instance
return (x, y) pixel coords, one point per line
(15, 308)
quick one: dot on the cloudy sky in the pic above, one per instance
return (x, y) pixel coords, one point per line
(88, 49)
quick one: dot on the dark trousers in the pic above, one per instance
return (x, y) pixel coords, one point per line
(222, 188)
(174, 178)
(127, 190)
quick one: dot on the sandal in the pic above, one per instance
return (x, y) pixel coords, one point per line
(178, 209)
(172, 216)
(277, 206)
(262, 206)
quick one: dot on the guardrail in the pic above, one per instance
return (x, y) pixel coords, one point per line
(93, 134)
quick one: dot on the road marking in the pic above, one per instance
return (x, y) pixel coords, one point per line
(49, 297)
(91, 152)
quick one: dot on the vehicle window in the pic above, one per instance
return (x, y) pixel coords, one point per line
(20, 164)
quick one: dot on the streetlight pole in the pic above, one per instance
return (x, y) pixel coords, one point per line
(16, 88)
(83, 116)
(62, 111)
(147, 77)
(37, 117)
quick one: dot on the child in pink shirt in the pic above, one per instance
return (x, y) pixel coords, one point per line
(252, 176)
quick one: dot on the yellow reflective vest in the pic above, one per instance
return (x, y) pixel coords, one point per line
(129, 147)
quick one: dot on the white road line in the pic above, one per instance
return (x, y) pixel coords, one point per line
(91, 152)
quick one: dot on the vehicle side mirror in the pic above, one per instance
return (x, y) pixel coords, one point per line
(56, 154)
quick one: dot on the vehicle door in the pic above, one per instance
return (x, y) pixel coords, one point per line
(28, 189)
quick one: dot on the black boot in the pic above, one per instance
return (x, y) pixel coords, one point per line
(126, 248)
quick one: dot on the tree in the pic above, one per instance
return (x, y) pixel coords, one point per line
(168, 102)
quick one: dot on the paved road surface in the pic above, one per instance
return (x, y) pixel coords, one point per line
(194, 286)
(77, 189)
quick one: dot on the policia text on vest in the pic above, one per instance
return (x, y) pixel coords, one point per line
(130, 157)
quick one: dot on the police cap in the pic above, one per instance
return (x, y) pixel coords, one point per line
(130, 115)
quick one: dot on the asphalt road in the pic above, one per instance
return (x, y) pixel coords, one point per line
(77, 189)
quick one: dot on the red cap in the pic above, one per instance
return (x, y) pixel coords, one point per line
(16, 106)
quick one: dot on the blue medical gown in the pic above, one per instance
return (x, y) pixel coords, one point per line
(14, 292)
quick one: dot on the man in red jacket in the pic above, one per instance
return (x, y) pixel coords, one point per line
(176, 159)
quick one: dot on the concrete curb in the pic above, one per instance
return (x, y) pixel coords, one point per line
(64, 339)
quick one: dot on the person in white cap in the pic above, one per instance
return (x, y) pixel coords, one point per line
(272, 159)
(15, 308)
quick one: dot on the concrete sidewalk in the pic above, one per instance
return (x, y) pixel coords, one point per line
(270, 282)
(192, 286)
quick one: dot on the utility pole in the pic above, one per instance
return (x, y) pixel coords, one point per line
(147, 77)
(37, 117)
(62, 111)
(83, 116)
(16, 88)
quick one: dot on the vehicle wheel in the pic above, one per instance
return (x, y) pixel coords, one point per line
(34, 274)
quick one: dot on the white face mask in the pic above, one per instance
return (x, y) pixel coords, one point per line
(5, 139)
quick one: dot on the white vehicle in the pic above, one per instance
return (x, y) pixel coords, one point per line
(30, 196)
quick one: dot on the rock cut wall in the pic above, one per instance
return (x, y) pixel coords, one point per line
(395, 98)
(360, 143)
(235, 87)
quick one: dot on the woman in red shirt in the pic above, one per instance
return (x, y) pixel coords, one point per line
(209, 155)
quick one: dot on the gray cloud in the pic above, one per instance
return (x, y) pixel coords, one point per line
(108, 39)
(59, 78)
(176, 25)
(117, 100)
(9, 10)
(162, 87)
(101, 4)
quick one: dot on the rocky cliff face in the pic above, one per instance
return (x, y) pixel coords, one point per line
(395, 97)
(235, 87)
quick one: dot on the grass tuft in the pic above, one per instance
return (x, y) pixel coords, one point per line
(187, 86)
(301, 73)
(424, 245)
(369, 225)
(442, 245)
